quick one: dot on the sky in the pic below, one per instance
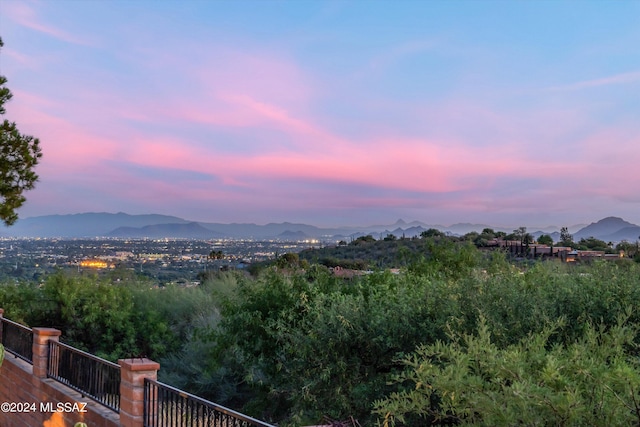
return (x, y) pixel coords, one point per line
(509, 113)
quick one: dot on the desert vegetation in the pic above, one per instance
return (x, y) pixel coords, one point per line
(459, 336)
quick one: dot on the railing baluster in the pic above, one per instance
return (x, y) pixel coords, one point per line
(171, 407)
(17, 339)
(92, 376)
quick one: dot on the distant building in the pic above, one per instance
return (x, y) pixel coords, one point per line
(565, 253)
(95, 263)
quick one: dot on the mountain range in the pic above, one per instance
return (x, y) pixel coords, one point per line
(123, 225)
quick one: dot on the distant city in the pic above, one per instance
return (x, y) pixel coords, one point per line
(173, 250)
(165, 261)
(153, 226)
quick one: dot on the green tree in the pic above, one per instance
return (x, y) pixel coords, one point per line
(545, 239)
(566, 238)
(363, 240)
(629, 249)
(483, 238)
(488, 232)
(432, 232)
(19, 154)
(288, 260)
(593, 244)
(522, 235)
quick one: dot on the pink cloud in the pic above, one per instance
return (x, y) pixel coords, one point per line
(92, 135)
(19, 58)
(400, 163)
(68, 148)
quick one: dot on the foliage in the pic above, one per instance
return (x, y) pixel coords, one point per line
(19, 154)
(22, 302)
(593, 244)
(566, 239)
(291, 261)
(300, 349)
(481, 239)
(472, 381)
(545, 239)
(631, 250)
(296, 348)
(297, 345)
(432, 232)
(368, 253)
(112, 321)
(520, 234)
(362, 240)
(446, 258)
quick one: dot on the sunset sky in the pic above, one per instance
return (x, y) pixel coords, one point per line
(330, 112)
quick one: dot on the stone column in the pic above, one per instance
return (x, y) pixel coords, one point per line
(132, 375)
(41, 338)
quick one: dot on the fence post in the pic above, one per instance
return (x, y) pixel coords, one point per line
(41, 338)
(132, 375)
(1, 332)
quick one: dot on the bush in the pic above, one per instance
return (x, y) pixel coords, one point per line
(470, 380)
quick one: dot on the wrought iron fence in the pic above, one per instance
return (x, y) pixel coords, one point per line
(92, 376)
(17, 339)
(166, 406)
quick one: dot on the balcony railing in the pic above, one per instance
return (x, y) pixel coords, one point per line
(166, 406)
(100, 380)
(17, 339)
(92, 376)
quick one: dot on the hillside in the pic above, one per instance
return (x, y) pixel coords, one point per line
(83, 224)
(630, 234)
(362, 254)
(191, 230)
(610, 228)
(122, 224)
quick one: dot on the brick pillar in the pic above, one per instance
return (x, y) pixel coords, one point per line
(132, 375)
(41, 338)
(1, 331)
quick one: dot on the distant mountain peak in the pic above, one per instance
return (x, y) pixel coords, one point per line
(605, 229)
(612, 219)
(400, 221)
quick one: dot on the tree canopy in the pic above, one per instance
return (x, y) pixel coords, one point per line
(545, 239)
(566, 238)
(19, 154)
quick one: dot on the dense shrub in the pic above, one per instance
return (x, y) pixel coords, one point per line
(471, 380)
(457, 331)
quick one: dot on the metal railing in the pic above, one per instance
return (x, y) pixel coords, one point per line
(17, 339)
(166, 406)
(92, 376)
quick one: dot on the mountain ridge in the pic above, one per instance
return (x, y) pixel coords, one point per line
(605, 228)
(191, 230)
(103, 224)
